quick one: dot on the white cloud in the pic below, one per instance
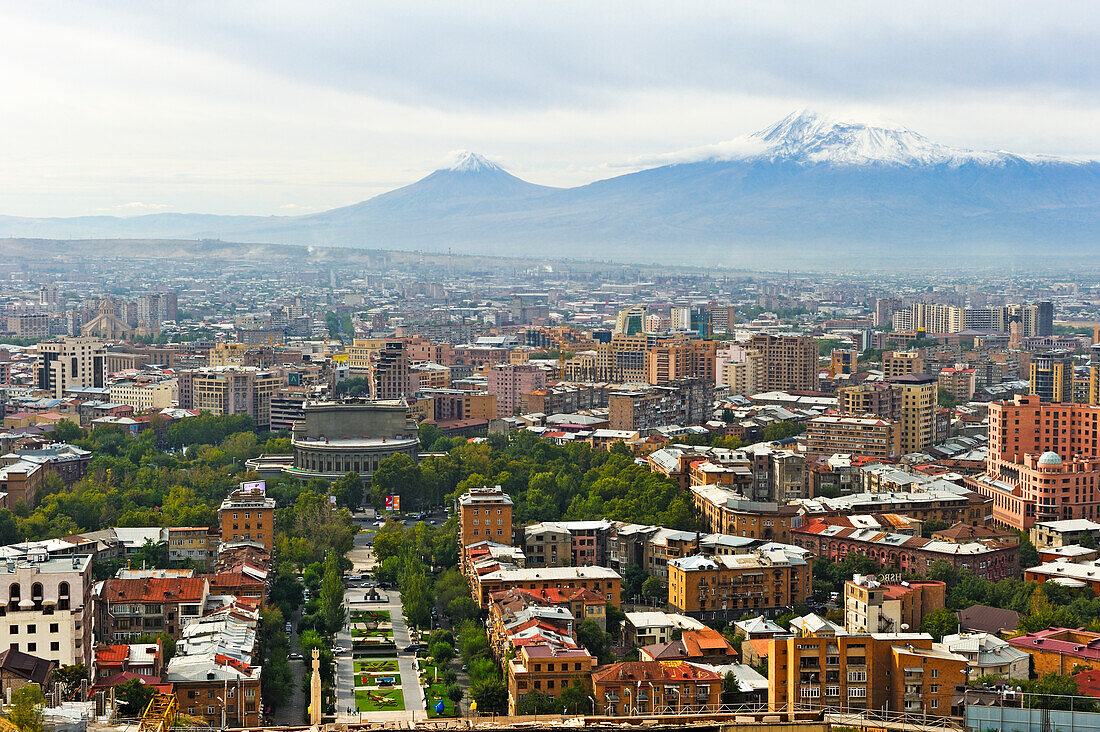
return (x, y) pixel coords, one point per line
(241, 107)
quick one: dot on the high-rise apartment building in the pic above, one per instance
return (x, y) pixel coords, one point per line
(484, 514)
(1035, 320)
(684, 402)
(900, 363)
(1051, 376)
(29, 325)
(230, 390)
(247, 515)
(877, 398)
(48, 609)
(70, 362)
(630, 321)
(918, 411)
(864, 436)
(1044, 464)
(958, 381)
(896, 672)
(790, 362)
(680, 359)
(392, 372)
(743, 375)
(508, 382)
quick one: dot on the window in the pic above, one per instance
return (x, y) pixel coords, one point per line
(210, 709)
(55, 646)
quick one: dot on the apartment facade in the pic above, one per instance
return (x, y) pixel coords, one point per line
(47, 607)
(631, 688)
(729, 586)
(863, 436)
(1027, 476)
(70, 362)
(231, 390)
(248, 516)
(1050, 376)
(508, 381)
(790, 362)
(484, 514)
(902, 363)
(545, 669)
(129, 608)
(904, 672)
(918, 412)
(874, 606)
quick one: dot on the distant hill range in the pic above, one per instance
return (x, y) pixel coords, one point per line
(805, 190)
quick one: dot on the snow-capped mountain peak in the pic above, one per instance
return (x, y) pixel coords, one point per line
(815, 138)
(464, 161)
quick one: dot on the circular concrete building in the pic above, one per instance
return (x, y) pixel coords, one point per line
(336, 438)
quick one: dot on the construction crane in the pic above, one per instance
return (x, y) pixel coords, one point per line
(159, 716)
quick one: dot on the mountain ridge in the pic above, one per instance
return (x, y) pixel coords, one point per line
(805, 183)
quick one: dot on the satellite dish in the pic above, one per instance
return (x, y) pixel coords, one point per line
(905, 626)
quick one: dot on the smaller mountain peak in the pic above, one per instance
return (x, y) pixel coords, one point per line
(464, 161)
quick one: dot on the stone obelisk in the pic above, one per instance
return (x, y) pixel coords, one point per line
(315, 690)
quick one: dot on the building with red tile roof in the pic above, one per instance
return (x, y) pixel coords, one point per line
(643, 687)
(129, 608)
(1060, 650)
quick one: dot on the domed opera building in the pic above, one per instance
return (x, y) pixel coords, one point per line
(336, 438)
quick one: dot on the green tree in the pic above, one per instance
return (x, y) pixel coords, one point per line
(150, 555)
(442, 652)
(575, 697)
(416, 603)
(931, 526)
(782, 431)
(940, 623)
(397, 475)
(67, 431)
(69, 676)
(135, 696)
(537, 702)
(348, 490)
(1029, 555)
(596, 640)
(944, 398)
(26, 708)
(652, 589)
(491, 696)
(428, 434)
(332, 594)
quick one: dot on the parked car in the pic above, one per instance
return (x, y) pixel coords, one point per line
(289, 627)
(413, 647)
(294, 656)
(337, 650)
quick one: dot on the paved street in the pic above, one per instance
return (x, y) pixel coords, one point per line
(294, 711)
(363, 561)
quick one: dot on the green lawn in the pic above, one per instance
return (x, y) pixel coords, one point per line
(435, 693)
(365, 633)
(386, 665)
(388, 701)
(380, 616)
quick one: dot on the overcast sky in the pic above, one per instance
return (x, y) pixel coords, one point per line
(290, 107)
